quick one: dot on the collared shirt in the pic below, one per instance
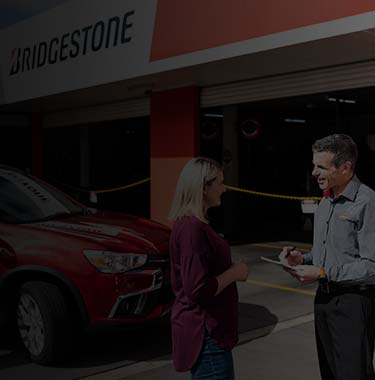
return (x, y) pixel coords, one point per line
(198, 255)
(344, 235)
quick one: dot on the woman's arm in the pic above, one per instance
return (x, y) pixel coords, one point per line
(237, 272)
(200, 285)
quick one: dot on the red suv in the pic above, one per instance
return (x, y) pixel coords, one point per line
(63, 266)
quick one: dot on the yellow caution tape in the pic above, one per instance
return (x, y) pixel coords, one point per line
(107, 190)
(271, 195)
(122, 187)
(227, 186)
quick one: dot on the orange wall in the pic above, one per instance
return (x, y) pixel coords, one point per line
(187, 26)
(174, 140)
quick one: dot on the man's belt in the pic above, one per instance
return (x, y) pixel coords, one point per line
(328, 287)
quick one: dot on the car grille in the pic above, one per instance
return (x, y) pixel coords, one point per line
(162, 262)
(158, 260)
(141, 305)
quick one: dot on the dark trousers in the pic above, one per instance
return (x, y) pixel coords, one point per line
(214, 363)
(345, 333)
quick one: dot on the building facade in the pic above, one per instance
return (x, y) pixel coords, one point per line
(118, 91)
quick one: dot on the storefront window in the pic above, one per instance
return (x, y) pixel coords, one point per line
(273, 153)
(102, 156)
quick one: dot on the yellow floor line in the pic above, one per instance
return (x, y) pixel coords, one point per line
(287, 288)
(277, 247)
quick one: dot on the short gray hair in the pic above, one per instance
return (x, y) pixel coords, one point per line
(342, 146)
(188, 199)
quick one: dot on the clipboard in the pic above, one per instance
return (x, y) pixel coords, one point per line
(277, 263)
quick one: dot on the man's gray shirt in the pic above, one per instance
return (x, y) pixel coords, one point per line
(344, 235)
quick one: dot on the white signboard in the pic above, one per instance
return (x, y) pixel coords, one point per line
(76, 45)
(85, 43)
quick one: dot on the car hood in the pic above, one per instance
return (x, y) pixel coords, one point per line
(113, 230)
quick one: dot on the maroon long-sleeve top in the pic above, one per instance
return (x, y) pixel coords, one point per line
(198, 255)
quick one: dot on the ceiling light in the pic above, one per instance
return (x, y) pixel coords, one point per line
(350, 101)
(297, 121)
(213, 115)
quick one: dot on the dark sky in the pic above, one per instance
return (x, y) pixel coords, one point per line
(12, 11)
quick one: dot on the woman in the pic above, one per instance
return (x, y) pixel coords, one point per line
(204, 315)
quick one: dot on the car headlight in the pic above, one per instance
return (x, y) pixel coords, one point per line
(114, 262)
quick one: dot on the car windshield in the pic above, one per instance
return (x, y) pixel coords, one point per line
(25, 200)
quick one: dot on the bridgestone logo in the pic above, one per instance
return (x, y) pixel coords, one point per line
(113, 32)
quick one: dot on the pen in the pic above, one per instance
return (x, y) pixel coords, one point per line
(288, 253)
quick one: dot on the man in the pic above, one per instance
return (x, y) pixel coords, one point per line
(342, 260)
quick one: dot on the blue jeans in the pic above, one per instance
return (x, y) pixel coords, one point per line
(214, 363)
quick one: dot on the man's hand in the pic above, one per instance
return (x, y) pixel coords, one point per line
(305, 273)
(290, 256)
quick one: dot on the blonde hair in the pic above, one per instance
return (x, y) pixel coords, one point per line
(195, 176)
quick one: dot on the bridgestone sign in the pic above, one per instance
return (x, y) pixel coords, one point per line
(104, 34)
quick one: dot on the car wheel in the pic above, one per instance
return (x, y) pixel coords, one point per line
(43, 322)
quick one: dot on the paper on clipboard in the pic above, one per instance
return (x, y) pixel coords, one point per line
(278, 263)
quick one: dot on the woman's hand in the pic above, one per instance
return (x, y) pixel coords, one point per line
(240, 271)
(236, 272)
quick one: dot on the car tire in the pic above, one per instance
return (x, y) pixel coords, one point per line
(44, 323)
